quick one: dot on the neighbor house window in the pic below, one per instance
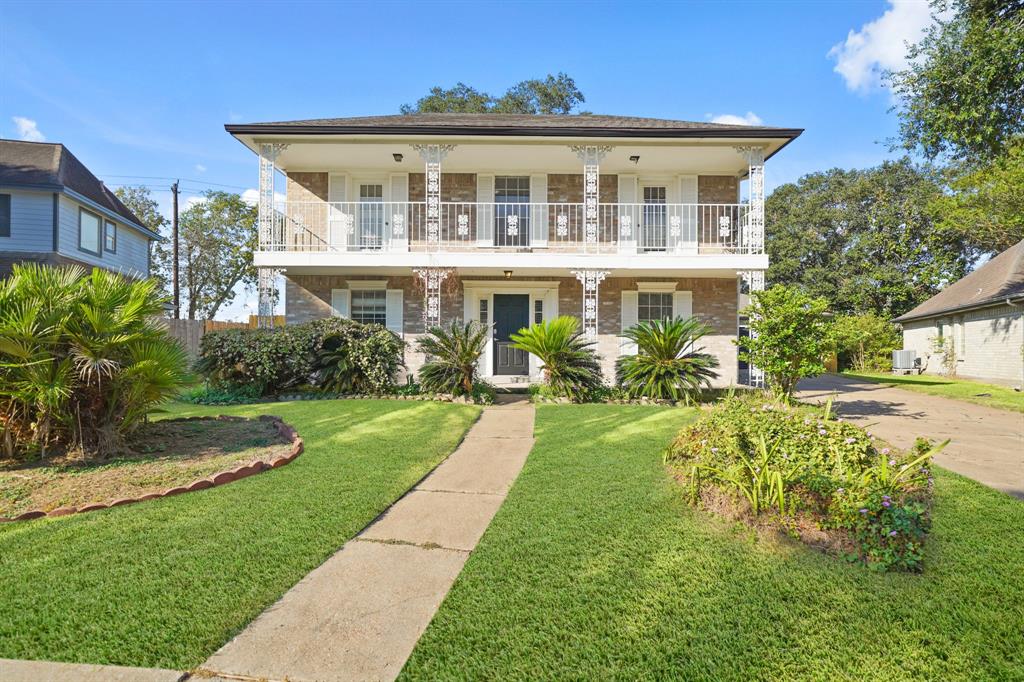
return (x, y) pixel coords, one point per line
(5, 215)
(370, 306)
(654, 306)
(89, 230)
(110, 237)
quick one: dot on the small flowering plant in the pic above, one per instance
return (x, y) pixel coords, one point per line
(801, 461)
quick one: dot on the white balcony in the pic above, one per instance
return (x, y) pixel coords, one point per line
(624, 229)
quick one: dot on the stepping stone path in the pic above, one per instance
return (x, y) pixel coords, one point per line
(359, 615)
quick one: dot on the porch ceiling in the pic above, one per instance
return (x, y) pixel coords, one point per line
(717, 157)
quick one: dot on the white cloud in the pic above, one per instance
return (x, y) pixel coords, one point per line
(252, 197)
(28, 129)
(750, 119)
(200, 168)
(881, 45)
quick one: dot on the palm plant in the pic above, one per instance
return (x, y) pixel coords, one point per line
(668, 365)
(571, 368)
(453, 354)
(83, 358)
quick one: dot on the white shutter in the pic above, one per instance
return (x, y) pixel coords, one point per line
(629, 209)
(485, 210)
(394, 311)
(682, 304)
(398, 211)
(630, 303)
(539, 212)
(340, 302)
(690, 217)
(336, 195)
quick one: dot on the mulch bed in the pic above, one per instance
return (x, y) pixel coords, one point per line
(165, 458)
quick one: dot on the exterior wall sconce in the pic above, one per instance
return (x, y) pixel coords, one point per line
(397, 157)
(508, 274)
(635, 158)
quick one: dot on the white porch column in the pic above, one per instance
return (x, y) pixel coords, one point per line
(591, 156)
(269, 238)
(590, 279)
(754, 281)
(432, 278)
(754, 230)
(432, 155)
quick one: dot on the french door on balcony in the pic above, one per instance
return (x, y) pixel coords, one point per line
(654, 220)
(370, 217)
(511, 210)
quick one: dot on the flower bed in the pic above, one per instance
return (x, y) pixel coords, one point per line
(177, 456)
(801, 470)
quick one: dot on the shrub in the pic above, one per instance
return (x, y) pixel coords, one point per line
(570, 366)
(668, 365)
(83, 359)
(790, 463)
(454, 354)
(789, 336)
(329, 353)
(210, 395)
(865, 342)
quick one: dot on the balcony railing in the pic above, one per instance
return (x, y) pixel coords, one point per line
(685, 229)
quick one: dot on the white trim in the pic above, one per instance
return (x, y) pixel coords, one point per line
(508, 284)
(475, 290)
(682, 304)
(341, 303)
(656, 286)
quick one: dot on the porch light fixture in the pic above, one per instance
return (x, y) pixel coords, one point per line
(508, 274)
(635, 158)
(397, 157)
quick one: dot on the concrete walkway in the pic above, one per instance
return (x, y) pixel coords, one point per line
(359, 615)
(987, 444)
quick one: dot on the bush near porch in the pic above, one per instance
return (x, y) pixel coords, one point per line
(799, 469)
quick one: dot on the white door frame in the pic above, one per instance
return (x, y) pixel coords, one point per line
(476, 290)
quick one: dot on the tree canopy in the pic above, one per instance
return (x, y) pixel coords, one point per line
(144, 206)
(552, 95)
(864, 239)
(962, 94)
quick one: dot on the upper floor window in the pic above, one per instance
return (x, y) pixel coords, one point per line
(654, 306)
(5, 215)
(90, 228)
(512, 189)
(370, 306)
(110, 237)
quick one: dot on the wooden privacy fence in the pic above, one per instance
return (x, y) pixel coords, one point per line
(190, 332)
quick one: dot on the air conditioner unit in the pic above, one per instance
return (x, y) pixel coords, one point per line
(904, 361)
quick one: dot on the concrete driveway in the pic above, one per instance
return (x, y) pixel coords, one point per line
(986, 444)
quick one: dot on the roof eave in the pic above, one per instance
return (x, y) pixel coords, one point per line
(987, 303)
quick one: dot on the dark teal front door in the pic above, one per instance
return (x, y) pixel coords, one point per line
(511, 313)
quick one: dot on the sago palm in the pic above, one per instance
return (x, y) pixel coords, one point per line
(668, 365)
(570, 366)
(453, 354)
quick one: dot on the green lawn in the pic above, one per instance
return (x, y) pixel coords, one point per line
(167, 582)
(596, 568)
(958, 389)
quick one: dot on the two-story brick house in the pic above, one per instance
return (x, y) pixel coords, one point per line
(416, 220)
(53, 210)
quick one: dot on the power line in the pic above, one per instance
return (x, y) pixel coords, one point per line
(157, 177)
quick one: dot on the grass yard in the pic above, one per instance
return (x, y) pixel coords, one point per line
(596, 568)
(166, 582)
(958, 389)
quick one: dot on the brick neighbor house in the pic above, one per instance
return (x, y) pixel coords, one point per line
(982, 316)
(416, 220)
(53, 210)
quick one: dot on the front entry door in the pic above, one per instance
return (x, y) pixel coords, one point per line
(511, 313)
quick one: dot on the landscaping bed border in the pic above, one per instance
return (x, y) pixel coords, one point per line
(284, 430)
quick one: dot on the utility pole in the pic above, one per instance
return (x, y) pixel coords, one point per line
(174, 251)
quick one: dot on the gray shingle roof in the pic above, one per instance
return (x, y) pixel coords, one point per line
(510, 124)
(999, 279)
(51, 164)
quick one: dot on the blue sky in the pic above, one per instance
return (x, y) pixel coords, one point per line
(144, 89)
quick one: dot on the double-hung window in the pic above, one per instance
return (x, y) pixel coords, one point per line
(90, 230)
(110, 237)
(370, 306)
(652, 305)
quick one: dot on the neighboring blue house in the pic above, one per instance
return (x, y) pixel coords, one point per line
(54, 211)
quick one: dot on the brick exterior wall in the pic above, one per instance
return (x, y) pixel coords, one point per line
(455, 187)
(988, 343)
(714, 301)
(306, 186)
(718, 189)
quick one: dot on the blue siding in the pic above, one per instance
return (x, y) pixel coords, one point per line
(132, 255)
(31, 221)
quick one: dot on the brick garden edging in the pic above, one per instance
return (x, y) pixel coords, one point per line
(256, 467)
